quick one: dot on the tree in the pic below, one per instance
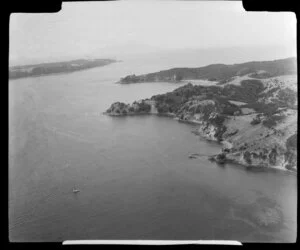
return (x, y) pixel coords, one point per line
(178, 77)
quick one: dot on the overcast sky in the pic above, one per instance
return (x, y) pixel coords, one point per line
(81, 28)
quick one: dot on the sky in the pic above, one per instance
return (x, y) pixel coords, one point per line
(85, 28)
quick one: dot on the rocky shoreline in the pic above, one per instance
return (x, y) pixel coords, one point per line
(254, 119)
(229, 153)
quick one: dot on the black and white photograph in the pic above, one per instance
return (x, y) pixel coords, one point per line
(153, 120)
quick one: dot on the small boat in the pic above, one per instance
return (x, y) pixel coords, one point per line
(194, 156)
(75, 190)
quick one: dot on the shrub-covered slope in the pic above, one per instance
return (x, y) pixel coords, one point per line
(220, 72)
(255, 119)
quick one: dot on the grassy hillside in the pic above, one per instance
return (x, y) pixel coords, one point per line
(220, 72)
(253, 113)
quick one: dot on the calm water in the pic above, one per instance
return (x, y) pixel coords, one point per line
(135, 177)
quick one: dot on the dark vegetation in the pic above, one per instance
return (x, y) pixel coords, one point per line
(172, 101)
(221, 158)
(256, 120)
(272, 120)
(131, 79)
(142, 107)
(219, 72)
(261, 75)
(185, 101)
(291, 142)
(267, 109)
(218, 123)
(124, 109)
(291, 153)
(272, 156)
(287, 97)
(248, 91)
(225, 81)
(57, 67)
(213, 104)
(247, 157)
(271, 113)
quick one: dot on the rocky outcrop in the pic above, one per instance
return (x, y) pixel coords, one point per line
(136, 108)
(258, 145)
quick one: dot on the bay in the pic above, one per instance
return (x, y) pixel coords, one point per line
(135, 178)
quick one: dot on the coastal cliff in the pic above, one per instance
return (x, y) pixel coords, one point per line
(254, 119)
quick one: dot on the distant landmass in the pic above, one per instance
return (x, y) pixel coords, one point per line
(252, 108)
(218, 72)
(56, 67)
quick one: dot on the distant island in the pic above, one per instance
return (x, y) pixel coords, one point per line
(56, 67)
(251, 109)
(218, 72)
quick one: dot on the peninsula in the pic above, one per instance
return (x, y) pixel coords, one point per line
(56, 67)
(218, 72)
(252, 111)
